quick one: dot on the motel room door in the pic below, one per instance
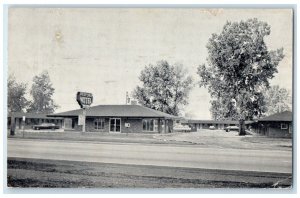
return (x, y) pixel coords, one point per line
(115, 125)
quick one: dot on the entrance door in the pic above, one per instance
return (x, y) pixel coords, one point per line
(115, 125)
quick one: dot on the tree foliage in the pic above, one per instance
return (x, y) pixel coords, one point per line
(222, 109)
(277, 100)
(164, 87)
(238, 67)
(42, 92)
(16, 100)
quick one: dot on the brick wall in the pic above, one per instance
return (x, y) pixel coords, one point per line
(90, 125)
(136, 126)
(277, 132)
(273, 129)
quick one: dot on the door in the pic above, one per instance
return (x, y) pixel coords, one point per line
(115, 125)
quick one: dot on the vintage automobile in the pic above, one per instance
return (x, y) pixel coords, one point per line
(231, 128)
(45, 126)
(212, 127)
(182, 128)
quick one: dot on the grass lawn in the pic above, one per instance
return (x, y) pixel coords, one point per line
(222, 139)
(90, 136)
(203, 138)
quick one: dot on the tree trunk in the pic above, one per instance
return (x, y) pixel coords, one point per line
(242, 130)
(12, 125)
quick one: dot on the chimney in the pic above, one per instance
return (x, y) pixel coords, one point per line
(127, 98)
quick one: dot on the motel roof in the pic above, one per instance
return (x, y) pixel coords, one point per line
(214, 122)
(116, 111)
(31, 115)
(283, 116)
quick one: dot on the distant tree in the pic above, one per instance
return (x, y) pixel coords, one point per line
(16, 100)
(165, 87)
(42, 92)
(239, 66)
(223, 110)
(277, 100)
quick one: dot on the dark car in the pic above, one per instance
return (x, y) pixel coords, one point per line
(231, 128)
(45, 126)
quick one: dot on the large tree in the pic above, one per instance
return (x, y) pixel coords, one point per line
(42, 92)
(164, 87)
(277, 100)
(239, 66)
(16, 100)
(222, 109)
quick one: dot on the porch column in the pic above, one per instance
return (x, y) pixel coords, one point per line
(165, 129)
(159, 125)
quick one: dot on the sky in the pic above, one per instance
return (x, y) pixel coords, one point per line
(103, 50)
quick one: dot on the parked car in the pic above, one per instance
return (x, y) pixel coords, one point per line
(182, 128)
(231, 128)
(212, 127)
(45, 126)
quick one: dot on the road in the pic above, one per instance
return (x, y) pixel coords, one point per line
(154, 154)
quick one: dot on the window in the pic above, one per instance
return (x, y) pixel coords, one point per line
(284, 126)
(150, 125)
(35, 121)
(28, 121)
(99, 124)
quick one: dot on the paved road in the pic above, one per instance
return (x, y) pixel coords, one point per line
(154, 154)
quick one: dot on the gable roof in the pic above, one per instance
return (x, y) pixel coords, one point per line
(116, 111)
(283, 116)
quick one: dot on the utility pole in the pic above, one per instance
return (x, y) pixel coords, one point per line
(127, 98)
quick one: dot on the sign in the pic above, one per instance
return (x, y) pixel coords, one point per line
(84, 99)
(127, 125)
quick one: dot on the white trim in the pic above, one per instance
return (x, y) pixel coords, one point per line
(154, 120)
(99, 120)
(286, 126)
(120, 125)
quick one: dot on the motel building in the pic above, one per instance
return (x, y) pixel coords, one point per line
(25, 121)
(117, 119)
(278, 125)
(198, 125)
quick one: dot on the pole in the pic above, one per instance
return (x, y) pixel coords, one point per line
(24, 121)
(83, 117)
(23, 132)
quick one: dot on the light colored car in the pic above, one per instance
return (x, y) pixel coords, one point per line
(231, 128)
(212, 127)
(182, 128)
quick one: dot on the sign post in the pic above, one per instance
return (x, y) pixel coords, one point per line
(84, 100)
(23, 126)
(83, 120)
